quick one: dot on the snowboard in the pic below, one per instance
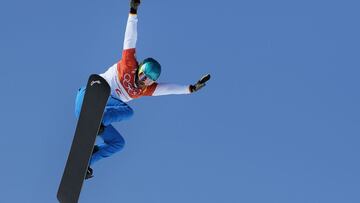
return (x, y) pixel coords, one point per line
(95, 99)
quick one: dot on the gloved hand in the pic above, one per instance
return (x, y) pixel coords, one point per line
(200, 84)
(134, 4)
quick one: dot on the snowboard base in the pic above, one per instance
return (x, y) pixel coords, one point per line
(95, 99)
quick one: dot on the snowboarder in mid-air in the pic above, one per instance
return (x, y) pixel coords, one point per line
(129, 80)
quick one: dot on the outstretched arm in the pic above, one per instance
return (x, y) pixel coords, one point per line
(131, 26)
(167, 88)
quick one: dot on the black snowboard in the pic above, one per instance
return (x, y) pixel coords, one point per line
(96, 96)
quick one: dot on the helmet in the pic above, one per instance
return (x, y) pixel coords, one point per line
(151, 68)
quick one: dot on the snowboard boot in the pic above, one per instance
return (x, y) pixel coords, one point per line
(89, 173)
(96, 148)
(101, 129)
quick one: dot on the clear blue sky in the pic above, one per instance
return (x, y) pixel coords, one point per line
(277, 123)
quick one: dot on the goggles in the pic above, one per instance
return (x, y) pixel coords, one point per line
(144, 79)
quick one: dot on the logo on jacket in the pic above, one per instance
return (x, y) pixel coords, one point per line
(128, 84)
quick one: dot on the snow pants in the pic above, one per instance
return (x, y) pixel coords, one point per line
(115, 111)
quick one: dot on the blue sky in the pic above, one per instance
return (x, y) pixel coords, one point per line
(277, 123)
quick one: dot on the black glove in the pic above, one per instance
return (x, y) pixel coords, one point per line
(134, 4)
(200, 84)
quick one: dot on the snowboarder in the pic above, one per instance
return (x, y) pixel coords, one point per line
(129, 80)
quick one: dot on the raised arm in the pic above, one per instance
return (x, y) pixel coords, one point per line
(131, 26)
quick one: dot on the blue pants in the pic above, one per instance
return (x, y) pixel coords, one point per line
(115, 111)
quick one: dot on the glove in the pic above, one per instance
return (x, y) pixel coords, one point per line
(134, 4)
(200, 84)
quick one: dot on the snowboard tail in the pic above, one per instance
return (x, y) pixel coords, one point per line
(95, 99)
